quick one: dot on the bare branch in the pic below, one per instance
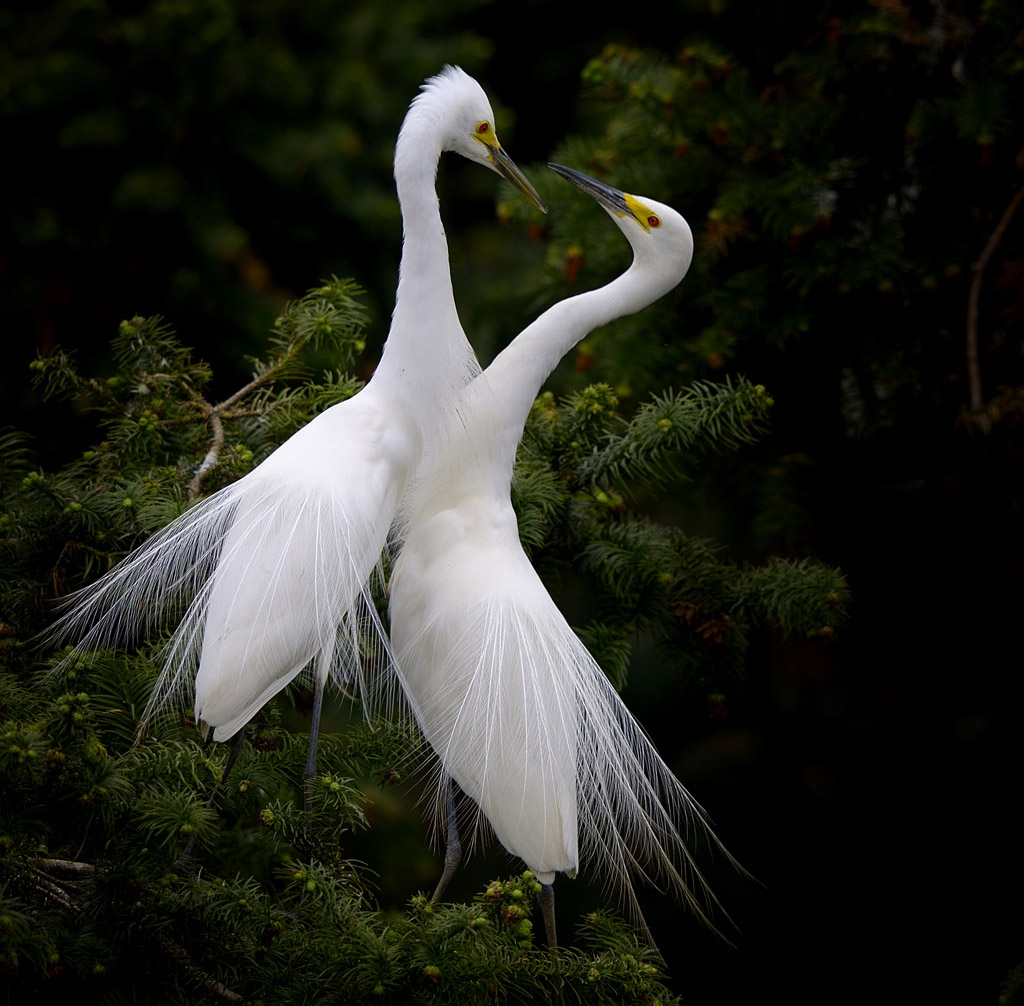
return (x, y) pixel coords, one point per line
(214, 417)
(973, 301)
(212, 458)
(66, 866)
(177, 953)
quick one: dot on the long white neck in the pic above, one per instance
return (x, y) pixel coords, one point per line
(476, 453)
(426, 355)
(507, 388)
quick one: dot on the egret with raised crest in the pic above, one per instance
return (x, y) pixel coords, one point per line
(273, 570)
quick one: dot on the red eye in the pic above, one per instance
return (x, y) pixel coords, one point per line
(482, 128)
(654, 221)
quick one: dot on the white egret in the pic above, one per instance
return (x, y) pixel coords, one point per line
(272, 571)
(515, 708)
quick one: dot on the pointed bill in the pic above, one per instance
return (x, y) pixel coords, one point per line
(613, 200)
(508, 169)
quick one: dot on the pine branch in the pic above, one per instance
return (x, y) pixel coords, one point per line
(801, 597)
(674, 427)
(324, 316)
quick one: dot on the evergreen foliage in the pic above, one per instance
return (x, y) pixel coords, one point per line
(852, 177)
(129, 867)
(846, 196)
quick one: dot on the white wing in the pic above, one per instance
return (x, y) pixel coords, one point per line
(265, 575)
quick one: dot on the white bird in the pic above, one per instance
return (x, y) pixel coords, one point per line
(513, 705)
(272, 571)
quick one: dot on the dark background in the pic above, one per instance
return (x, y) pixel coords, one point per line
(870, 784)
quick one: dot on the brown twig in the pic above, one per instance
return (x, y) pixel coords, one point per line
(212, 458)
(57, 583)
(66, 866)
(181, 959)
(216, 423)
(974, 299)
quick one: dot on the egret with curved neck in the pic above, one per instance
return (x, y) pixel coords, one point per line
(516, 710)
(274, 568)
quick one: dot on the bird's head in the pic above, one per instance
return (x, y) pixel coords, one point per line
(466, 121)
(660, 237)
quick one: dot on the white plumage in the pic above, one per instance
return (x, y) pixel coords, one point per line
(271, 573)
(512, 703)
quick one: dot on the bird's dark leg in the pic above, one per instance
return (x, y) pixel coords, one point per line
(237, 743)
(309, 775)
(546, 900)
(453, 847)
